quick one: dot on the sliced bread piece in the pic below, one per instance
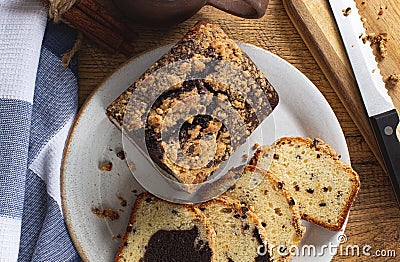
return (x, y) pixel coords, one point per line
(163, 231)
(310, 170)
(239, 233)
(263, 193)
(245, 89)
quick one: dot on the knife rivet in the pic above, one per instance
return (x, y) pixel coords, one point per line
(388, 130)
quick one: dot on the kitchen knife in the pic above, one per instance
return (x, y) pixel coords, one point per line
(381, 112)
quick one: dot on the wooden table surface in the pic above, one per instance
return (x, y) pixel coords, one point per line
(374, 217)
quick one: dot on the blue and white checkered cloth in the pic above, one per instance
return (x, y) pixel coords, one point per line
(38, 103)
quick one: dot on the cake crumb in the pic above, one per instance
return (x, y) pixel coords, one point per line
(106, 213)
(121, 154)
(256, 145)
(380, 40)
(106, 166)
(116, 236)
(245, 156)
(346, 11)
(122, 201)
(392, 81)
(131, 166)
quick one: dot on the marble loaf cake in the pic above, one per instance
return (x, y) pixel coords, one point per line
(205, 86)
(163, 231)
(239, 235)
(322, 186)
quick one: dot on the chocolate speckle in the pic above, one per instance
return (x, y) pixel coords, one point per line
(315, 143)
(280, 185)
(296, 187)
(309, 190)
(322, 204)
(291, 202)
(339, 194)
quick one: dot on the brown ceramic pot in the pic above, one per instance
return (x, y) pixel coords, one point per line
(169, 12)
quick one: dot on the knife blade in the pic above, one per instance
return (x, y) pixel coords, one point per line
(378, 104)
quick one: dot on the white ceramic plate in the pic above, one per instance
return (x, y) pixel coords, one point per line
(302, 111)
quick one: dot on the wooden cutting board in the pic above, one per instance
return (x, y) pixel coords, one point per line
(315, 23)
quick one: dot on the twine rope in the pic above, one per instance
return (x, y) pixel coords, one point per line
(58, 7)
(66, 58)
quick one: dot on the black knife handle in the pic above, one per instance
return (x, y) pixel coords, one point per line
(384, 126)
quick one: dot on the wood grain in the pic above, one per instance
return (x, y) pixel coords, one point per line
(375, 217)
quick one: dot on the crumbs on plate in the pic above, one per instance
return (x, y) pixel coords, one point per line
(122, 201)
(121, 154)
(106, 166)
(106, 213)
(117, 236)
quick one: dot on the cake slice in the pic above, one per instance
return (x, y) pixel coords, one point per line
(163, 231)
(277, 210)
(202, 75)
(239, 233)
(310, 170)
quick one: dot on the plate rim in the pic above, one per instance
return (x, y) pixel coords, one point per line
(67, 147)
